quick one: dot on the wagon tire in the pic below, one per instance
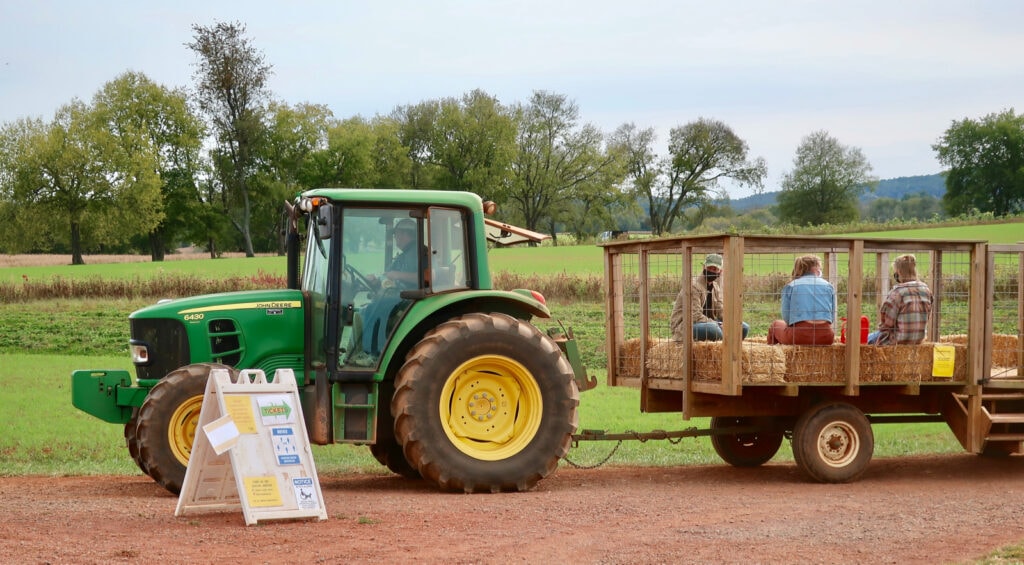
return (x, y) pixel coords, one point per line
(168, 420)
(485, 403)
(747, 449)
(833, 443)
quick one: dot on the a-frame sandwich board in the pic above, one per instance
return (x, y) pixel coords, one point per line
(251, 451)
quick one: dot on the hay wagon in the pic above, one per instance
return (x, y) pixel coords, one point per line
(826, 398)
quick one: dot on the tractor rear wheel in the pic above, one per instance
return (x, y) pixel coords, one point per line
(386, 450)
(168, 420)
(833, 443)
(485, 403)
(746, 449)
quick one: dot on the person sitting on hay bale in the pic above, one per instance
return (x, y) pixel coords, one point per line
(808, 307)
(904, 314)
(706, 305)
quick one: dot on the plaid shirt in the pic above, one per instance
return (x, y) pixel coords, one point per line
(904, 315)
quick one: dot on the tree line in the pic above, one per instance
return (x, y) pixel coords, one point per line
(145, 168)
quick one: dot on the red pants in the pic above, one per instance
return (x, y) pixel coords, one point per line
(801, 333)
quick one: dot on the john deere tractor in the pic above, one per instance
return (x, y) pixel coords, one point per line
(397, 339)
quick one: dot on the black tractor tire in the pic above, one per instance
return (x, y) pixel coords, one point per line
(746, 449)
(389, 453)
(132, 441)
(168, 420)
(833, 443)
(386, 450)
(485, 403)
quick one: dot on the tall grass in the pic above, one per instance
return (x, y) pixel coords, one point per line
(171, 285)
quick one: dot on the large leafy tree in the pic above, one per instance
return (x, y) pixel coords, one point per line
(150, 121)
(826, 182)
(701, 154)
(295, 135)
(986, 164)
(472, 142)
(231, 89)
(73, 175)
(457, 143)
(556, 159)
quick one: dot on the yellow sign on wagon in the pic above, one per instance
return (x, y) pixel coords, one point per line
(943, 361)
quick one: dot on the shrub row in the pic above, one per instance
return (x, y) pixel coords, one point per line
(560, 287)
(166, 286)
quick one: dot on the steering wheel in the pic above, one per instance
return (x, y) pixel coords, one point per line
(362, 283)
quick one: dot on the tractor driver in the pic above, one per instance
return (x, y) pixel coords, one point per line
(370, 327)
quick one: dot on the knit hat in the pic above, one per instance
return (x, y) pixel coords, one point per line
(713, 260)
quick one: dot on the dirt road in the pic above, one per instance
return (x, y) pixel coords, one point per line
(946, 509)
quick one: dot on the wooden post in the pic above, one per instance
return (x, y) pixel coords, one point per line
(854, 295)
(732, 344)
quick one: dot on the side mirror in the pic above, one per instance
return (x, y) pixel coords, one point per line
(324, 221)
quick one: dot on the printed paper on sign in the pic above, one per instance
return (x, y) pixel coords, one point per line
(222, 433)
(276, 409)
(305, 493)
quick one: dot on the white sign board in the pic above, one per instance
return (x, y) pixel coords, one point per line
(251, 451)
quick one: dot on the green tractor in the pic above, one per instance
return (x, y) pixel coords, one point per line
(397, 339)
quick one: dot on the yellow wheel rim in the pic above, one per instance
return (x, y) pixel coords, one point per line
(181, 430)
(491, 407)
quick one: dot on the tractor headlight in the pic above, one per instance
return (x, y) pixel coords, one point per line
(140, 354)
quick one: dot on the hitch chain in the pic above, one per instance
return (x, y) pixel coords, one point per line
(595, 465)
(656, 434)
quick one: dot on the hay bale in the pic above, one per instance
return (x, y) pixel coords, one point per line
(629, 359)
(815, 363)
(959, 364)
(894, 363)
(908, 363)
(763, 363)
(1005, 348)
(760, 362)
(665, 360)
(629, 356)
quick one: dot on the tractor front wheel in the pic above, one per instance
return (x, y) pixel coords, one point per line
(167, 423)
(485, 403)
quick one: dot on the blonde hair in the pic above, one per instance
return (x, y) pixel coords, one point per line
(905, 266)
(804, 265)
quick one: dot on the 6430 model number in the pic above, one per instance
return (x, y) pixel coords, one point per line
(193, 317)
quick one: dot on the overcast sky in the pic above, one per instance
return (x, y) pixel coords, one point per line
(888, 77)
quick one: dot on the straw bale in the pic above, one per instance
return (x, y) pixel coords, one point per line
(815, 363)
(665, 360)
(629, 359)
(895, 363)
(1005, 348)
(629, 356)
(959, 363)
(760, 363)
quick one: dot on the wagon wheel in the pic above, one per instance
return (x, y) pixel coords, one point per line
(749, 449)
(833, 443)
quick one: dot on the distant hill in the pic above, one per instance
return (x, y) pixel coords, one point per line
(897, 188)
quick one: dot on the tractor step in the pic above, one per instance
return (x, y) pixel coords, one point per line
(355, 412)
